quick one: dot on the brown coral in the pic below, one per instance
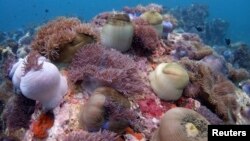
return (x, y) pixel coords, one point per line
(237, 75)
(59, 39)
(146, 39)
(216, 91)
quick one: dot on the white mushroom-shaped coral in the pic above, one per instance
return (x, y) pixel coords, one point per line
(181, 124)
(39, 80)
(118, 32)
(168, 80)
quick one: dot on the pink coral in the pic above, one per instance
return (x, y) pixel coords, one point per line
(150, 107)
(99, 66)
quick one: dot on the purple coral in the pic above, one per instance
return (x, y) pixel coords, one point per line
(209, 115)
(18, 111)
(97, 136)
(99, 66)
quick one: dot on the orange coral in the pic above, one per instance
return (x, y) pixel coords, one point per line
(43, 123)
(138, 136)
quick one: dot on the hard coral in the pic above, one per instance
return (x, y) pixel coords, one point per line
(18, 111)
(99, 66)
(59, 39)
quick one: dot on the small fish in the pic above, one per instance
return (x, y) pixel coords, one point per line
(199, 28)
(228, 41)
(46, 10)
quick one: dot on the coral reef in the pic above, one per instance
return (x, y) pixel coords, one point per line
(145, 85)
(181, 124)
(196, 15)
(61, 38)
(106, 67)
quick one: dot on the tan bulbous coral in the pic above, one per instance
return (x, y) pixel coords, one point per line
(155, 19)
(168, 80)
(181, 124)
(93, 116)
(118, 32)
(60, 39)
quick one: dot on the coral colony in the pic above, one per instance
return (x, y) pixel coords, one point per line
(130, 75)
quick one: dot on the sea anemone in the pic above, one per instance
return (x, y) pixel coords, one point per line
(61, 38)
(146, 41)
(100, 112)
(216, 63)
(39, 80)
(95, 65)
(181, 124)
(168, 80)
(118, 32)
(154, 19)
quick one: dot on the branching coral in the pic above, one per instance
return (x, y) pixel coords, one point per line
(99, 66)
(97, 136)
(18, 111)
(61, 38)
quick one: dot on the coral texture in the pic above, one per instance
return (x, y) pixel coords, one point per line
(215, 89)
(181, 124)
(18, 111)
(43, 123)
(100, 66)
(97, 136)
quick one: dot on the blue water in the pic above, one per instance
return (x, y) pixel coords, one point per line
(15, 14)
